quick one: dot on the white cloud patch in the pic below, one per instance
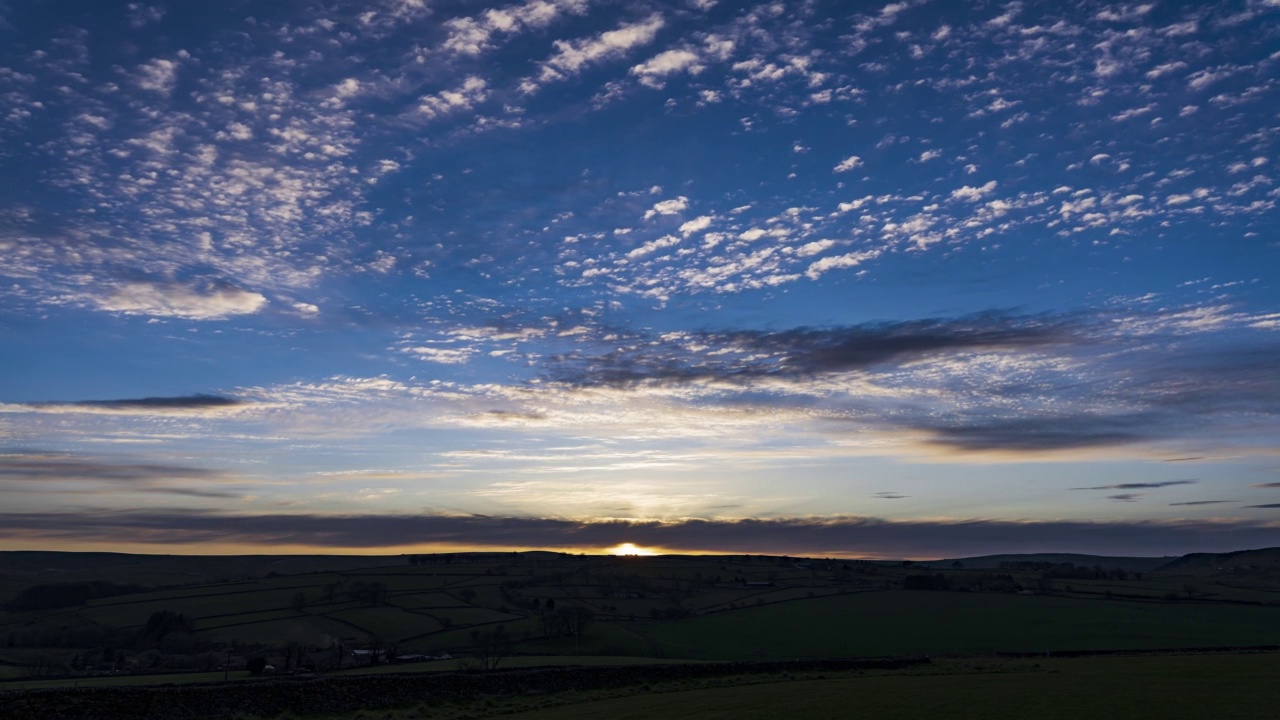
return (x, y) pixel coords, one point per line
(571, 57)
(674, 206)
(443, 356)
(201, 301)
(968, 193)
(474, 35)
(839, 262)
(473, 90)
(159, 75)
(697, 224)
(653, 246)
(814, 247)
(847, 164)
(653, 72)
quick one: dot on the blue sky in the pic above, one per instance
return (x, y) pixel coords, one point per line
(906, 279)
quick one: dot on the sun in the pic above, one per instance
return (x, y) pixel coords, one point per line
(629, 549)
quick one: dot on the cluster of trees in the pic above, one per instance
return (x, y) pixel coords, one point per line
(371, 593)
(986, 582)
(924, 581)
(165, 630)
(51, 596)
(449, 558)
(169, 631)
(571, 621)
(1069, 571)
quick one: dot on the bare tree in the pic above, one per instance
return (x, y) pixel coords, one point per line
(575, 620)
(491, 646)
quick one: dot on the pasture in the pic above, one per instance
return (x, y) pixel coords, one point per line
(337, 617)
(1191, 687)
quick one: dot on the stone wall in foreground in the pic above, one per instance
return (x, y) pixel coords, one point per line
(267, 698)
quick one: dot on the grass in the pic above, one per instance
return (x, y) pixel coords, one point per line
(831, 610)
(388, 623)
(1224, 687)
(916, 622)
(314, 629)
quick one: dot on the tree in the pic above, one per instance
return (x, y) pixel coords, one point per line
(161, 624)
(491, 646)
(924, 581)
(293, 651)
(575, 620)
(374, 593)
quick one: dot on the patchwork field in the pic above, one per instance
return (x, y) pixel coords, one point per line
(70, 618)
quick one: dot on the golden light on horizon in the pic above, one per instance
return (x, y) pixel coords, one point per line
(629, 549)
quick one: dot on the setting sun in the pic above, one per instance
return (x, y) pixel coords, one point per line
(629, 549)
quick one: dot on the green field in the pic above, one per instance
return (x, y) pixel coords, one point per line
(668, 607)
(905, 622)
(1224, 687)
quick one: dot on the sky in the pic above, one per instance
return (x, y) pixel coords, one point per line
(916, 279)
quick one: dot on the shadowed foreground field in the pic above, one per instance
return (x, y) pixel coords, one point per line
(1164, 687)
(900, 622)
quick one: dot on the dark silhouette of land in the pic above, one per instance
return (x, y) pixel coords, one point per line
(114, 620)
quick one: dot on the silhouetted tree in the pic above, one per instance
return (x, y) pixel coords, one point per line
(491, 646)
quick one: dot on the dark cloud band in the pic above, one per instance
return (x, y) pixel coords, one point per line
(182, 402)
(1139, 486)
(845, 535)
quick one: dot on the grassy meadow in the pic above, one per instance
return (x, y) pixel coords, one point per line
(1191, 687)
(197, 619)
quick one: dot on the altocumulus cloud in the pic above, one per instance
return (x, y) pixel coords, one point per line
(208, 300)
(838, 536)
(744, 356)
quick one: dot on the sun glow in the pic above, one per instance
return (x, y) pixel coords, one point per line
(629, 549)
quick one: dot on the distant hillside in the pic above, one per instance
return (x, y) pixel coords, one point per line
(1233, 562)
(992, 562)
(22, 568)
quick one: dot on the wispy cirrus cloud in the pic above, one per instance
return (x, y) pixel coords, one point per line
(45, 467)
(1139, 486)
